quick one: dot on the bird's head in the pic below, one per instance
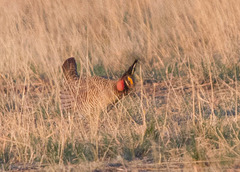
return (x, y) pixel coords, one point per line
(126, 82)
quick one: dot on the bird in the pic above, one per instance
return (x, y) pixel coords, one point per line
(88, 94)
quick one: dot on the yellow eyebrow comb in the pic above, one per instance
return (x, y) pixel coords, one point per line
(130, 80)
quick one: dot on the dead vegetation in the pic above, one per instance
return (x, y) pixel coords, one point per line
(185, 109)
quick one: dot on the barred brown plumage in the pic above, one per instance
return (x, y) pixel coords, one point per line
(85, 94)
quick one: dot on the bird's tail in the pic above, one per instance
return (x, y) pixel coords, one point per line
(70, 69)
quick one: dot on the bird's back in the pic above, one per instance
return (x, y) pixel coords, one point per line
(88, 93)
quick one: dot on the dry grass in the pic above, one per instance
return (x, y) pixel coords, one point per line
(189, 114)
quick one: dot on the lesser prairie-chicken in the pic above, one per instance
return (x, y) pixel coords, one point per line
(85, 94)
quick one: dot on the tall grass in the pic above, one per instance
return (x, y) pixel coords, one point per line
(191, 48)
